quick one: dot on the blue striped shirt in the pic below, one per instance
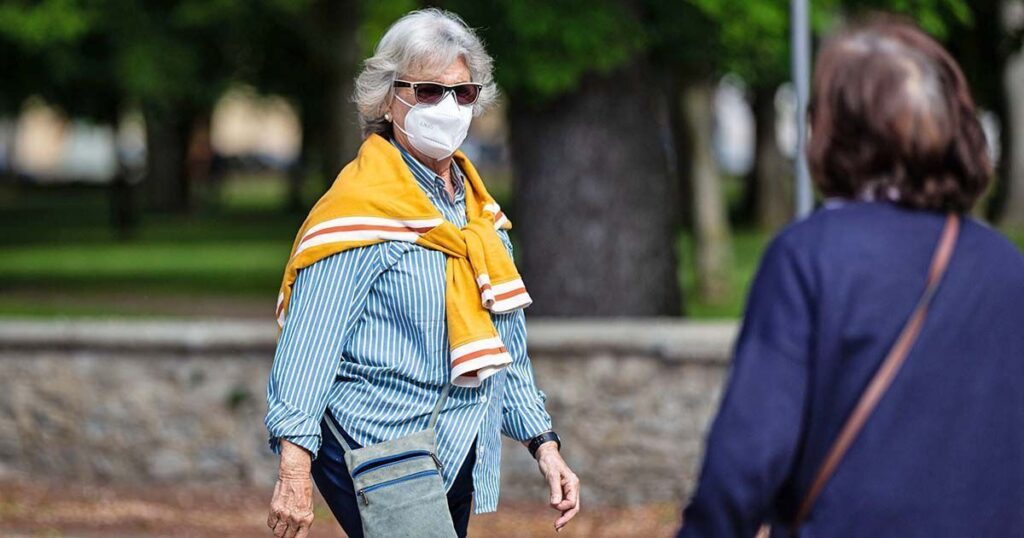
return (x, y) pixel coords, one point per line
(366, 338)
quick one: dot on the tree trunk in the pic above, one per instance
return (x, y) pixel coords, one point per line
(598, 218)
(306, 161)
(710, 222)
(340, 136)
(772, 171)
(165, 187)
(124, 214)
(1013, 140)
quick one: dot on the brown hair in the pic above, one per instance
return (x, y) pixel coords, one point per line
(892, 117)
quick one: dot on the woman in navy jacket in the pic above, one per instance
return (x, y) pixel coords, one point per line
(895, 144)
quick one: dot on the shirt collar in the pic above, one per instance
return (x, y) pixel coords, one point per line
(430, 181)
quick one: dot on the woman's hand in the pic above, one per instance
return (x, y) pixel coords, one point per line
(291, 508)
(564, 484)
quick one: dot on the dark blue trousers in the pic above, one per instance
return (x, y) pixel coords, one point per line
(335, 484)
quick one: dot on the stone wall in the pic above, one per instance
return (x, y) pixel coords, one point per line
(177, 401)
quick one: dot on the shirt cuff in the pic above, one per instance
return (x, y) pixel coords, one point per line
(525, 423)
(309, 442)
(295, 426)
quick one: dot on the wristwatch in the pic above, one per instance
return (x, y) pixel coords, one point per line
(541, 439)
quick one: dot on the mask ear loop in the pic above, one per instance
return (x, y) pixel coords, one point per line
(391, 99)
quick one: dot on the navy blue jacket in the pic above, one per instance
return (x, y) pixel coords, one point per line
(943, 453)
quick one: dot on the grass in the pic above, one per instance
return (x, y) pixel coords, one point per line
(747, 247)
(60, 257)
(57, 242)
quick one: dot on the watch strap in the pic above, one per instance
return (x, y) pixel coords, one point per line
(541, 439)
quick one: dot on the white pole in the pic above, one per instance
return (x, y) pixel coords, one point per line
(800, 44)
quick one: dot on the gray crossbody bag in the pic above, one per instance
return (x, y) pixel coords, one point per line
(398, 484)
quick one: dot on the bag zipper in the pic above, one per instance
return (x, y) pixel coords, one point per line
(421, 474)
(394, 458)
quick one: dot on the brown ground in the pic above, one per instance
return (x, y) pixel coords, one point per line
(33, 509)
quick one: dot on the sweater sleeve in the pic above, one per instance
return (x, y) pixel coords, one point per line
(753, 440)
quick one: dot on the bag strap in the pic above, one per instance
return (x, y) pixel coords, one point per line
(433, 418)
(439, 405)
(883, 378)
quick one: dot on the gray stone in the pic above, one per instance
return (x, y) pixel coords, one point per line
(183, 401)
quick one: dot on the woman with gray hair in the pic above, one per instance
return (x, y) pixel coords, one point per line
(401, 297)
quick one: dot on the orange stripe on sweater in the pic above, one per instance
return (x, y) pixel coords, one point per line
(480, 353)
(509, 294)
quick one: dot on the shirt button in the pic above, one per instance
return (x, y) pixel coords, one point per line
(483, 399)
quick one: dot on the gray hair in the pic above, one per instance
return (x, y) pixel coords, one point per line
(427, 40)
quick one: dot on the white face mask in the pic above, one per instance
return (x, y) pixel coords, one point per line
(437, 130)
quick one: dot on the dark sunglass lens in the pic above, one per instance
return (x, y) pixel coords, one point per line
(467, 94)
(429, 94)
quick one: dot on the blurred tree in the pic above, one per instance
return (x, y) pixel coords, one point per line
(753, 42)
(1012, 162)
(992, 56)
(173, 58)
(686, 46)
(313, 59)
(317, 48)
(94, 58)
(53, 51)
(589, 137)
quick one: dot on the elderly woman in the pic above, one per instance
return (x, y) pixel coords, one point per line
(875, 388)
(400, 283)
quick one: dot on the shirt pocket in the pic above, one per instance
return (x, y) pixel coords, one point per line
(412, 293)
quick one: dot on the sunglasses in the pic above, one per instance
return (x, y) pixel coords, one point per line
(431, 93)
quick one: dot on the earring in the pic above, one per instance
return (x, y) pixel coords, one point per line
(387, 116)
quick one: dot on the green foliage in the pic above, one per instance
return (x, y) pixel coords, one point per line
(91, 57)
(752, 39)
(937, 17)
(544, 49)
(85, 53)
(377, 18)
(37, 25)
(753, 35)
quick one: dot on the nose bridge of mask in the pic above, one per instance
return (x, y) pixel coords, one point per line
(449, 94)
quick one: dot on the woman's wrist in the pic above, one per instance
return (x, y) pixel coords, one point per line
(296, 461)
(544, 449)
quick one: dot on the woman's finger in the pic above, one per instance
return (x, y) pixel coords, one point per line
(272, 518)
(566, 517)
(572, 488)
(302, 525)
(281, 528)
(555, 484)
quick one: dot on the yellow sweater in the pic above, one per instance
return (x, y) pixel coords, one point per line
(375, 198)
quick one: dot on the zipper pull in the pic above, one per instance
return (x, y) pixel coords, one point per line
(437, 461)
(362, 495)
